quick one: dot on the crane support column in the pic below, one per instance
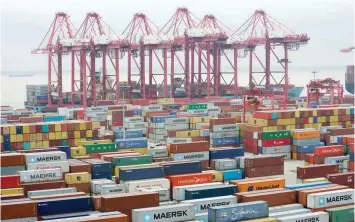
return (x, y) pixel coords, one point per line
(117, 69)
(165, 55)
(235, 64)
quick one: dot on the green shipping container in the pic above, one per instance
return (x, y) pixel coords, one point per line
(197, 106)
(275, 134)
(346, 148)
(132, 160)
(100, 148)
(341, 214)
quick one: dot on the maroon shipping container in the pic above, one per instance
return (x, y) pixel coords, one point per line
(260, 161)
(199, 146)
(315, 171)
(239, 195)
(18, 209)
(43, 186)
(12, 159)
(82, 187)
(337, 132)
(222, 121)
(263, 171)
(50, 149)
(346, 179)
(273, 198)
(14, 117)
(32, 119)
(162, 159)
(77, 166)
(253, 128)
(11, 197)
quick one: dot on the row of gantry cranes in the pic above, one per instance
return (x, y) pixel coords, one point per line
(185, 48)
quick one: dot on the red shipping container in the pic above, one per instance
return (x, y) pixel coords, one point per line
(351, 147)
(190, 179)
(276, 142)
(9, 181)
(262, 115)
(329, 150)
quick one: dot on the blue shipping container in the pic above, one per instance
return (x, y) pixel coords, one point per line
(19, 129)
(351, 157)
(63, 205)
(237, 212)
(65, 149)
(217, 153)
(42, 97)
(100, 168)
(141, 173)
(160, 119)
(132, 133)
(304, 185)
(6, 138)
(226, 141)
(305, 142)
(131, 143)
(236, 174)
(137, 112)
(182, 168)
(215, 191)
(308, 148)
(53, 118)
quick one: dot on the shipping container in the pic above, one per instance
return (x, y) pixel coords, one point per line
(31, 176)
(261, 161)
(285, 208)
(182, 167)
(131, 160)
(290, 213)
(55, 156)
(235, 174)
(330, 199)
(340, 214)
(179, 191)
(222, 153)
(263, 171)
(101, 147)
(317, 216)
(329, 150)
(63, 165)
(134, 186)
(237, 212)
(170, 213)
(225, 141)
(96, 185)
(190, 179)
(197, 156)
(113, 188)
(308, 148)
(316, 171)
(207, 192)
(224, 164)
(18, 209)
(200, 146)
(259, 184)
(224, 128)
(302, 194)
(178, 140)
(164, 194)
(224, 134)
(141, 173)
(158, 152)
(36, 193)
(131, 143)
(202, 205)
(9, 181)
(306, 185)
(63, 205)
(273, 198)
(77, 178)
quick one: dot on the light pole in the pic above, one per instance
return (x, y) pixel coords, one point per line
(125, 86)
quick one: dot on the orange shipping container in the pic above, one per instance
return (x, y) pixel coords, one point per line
(329, 150)
(306, 134)
(190, 179)
(253, 185)
(351, 147)
(351, 165)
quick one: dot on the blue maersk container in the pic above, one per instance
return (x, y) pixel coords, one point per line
(141, 173)
(63, 205)
(182, 168)
(226, 141)
(238, 212)
(100, 169)
(129, 134)
(236, 174)
(305, 185)
(53, 118)
(131, 143)
(207, 192)
(308, 148)
(217, 153)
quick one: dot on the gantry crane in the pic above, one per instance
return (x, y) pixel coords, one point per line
(318, 88)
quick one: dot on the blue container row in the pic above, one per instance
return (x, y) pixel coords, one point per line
(131, 143)
(132, 133)
(53, 118)
(225, 141)
(161, 119)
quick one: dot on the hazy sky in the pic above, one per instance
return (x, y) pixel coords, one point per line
(329, 23)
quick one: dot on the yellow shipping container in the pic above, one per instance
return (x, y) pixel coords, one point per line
(12, 130)
(76, 134)
(297, 114)
(306, 134)
(272, 128)
(141, 151)
(19, 138)
(57, 127)
(39, 144)
(51, 136)
(45, 143)
(13, 138)
(334, 118)
(315, 180)
(64, 135)
(347, 111)
(39, 136)
(336, 113)
(165, 100)
(200, 119)
(58, 135)
(77, 151)
(310, 119)
(83, 126)
(283, 122)
(85, 142)
(88, 133)
(117, 168)
(191, 133)
(77, 178)
(290, 127)
(261, 220)
(348, 124)
(1, 139)
(217, 176)
(25, 129)
(307, 125)
(334, 123)
(11, 191)
(292, 121)
(33, 145)
(322, 119)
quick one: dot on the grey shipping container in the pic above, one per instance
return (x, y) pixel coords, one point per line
(158, 152)
(287, 207)
(289, 213)
(276, 149)
(37, 193)
(96, 185)
(225, 164)
(164, 194)
(112, 188)
(179, 191)
(330, 198)
(26, 219)
(202, 205)
(169, 213)
(11, 170)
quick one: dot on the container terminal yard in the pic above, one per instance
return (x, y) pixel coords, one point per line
(177, 146)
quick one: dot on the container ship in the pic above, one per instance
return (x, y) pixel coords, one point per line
(349, 79)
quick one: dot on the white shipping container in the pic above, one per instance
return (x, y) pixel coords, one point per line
(134, 186)
(290, 213)
(6, 113)
(36, 193)
(63, 165)
(136, 125)
(198, 111)
(180, 126)
(160, 131)
(200, 125)
(330, 198)
(96, 185)
(164, 194)
(31, 176)
(41, 157)
(224, 134)
(178, 140)
(202, 205)
(225, 164)
(114, 188)
(196, 156)
(316, 217)
(133, 107)
(226, 127)
(178, 120)
(179, 191)
(287, 207)
(158, 152)
(153, 107)
(25, 219)
(134, 119)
